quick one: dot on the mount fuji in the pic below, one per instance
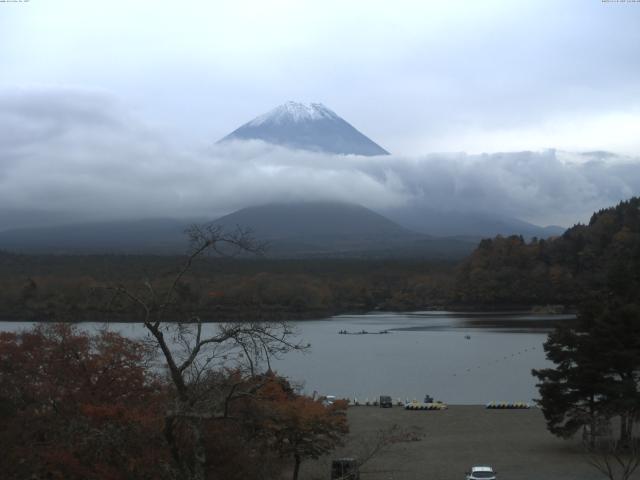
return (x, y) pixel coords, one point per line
(311, 127)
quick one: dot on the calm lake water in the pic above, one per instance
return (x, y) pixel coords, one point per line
(459, 358)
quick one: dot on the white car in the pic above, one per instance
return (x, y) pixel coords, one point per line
(328, 400)
(481, 473)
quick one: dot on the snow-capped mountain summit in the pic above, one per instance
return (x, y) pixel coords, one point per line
(294, 111)
(307, 127)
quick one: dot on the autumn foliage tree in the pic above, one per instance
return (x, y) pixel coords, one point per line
(77, 406)
(296, 426)
(586, 260)
(305, 428)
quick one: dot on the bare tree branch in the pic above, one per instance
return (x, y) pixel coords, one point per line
(194, 359)
(612, 458)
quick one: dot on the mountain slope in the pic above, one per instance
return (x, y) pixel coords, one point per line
(466, 224)
(157, 236)
(307, 127)
(313, 219)
(338, 229)
(308, 229)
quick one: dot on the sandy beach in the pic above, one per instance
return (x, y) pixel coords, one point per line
(514, 442)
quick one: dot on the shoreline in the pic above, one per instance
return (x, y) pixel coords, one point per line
(287, 316)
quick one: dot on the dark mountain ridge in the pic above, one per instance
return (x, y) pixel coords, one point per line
(313, 219)
(307, 229)
(334, 229)
(468, 224)
(148, 235)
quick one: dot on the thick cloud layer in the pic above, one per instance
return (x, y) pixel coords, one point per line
(76, 155)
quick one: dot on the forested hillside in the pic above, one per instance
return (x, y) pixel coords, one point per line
(502, 272)
(73, 287)
(585, 260)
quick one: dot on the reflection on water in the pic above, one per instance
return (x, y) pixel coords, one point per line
(459, 358)
(507, 322)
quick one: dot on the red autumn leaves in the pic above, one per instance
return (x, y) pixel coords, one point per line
(77, 406)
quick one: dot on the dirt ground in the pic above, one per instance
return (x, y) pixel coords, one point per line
(514, 442)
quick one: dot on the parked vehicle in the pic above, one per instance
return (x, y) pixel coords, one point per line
(481, 473)
(328, 400)
(385, 401)
(345, 469)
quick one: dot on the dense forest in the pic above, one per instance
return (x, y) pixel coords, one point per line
(501, 272)
(70, 288)
(586, 260)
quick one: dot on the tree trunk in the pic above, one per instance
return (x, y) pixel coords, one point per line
(296, 467)
(625, 430)
(193, 464)
(169, 435)
(594, 423)
(199, 450)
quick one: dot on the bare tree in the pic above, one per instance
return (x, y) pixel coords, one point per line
(196, 354)
(366, 449)
(613, 458)
(383, 439)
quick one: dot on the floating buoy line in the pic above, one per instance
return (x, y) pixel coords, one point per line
(491, 363)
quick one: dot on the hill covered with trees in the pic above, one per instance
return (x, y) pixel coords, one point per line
(72, 287)
(586, 260)
(502, 272)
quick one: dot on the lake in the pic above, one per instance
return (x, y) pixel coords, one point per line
(459, 358)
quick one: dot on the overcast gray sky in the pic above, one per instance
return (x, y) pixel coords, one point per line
(110, 108)
(416, 76)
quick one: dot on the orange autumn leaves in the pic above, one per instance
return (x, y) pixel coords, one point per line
(297, 426)
(77, 406)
